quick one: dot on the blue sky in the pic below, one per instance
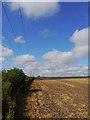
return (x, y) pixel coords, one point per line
(45, 33)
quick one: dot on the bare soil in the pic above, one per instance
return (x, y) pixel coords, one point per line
(58, 98)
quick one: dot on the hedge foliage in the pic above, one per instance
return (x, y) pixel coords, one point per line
(12, 81)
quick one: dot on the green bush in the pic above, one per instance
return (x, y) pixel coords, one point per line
(6, 89)
(5, 96)
(17, 79)
(4, 75)
(12, 81)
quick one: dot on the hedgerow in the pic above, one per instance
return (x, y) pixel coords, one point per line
(12, 82)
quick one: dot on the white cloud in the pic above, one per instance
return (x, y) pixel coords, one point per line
(60, 58)
(24, 59)
(33, 67)
(4, 51)
(2, 59)
(37, 9)
(80, 38)
(58, 63)
(56, 60)
(47, 69)
(19, 39)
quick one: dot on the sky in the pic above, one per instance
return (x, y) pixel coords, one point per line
(46, 39)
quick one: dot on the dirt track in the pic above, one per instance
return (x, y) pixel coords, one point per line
(61, 98)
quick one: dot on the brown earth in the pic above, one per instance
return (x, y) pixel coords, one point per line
(60, 98)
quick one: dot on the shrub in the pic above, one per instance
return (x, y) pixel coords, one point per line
(5, 96)
(12, 81)
(17, 79)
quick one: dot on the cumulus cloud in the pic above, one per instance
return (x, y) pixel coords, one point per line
(29, 61)
(80, 38)
(47, 69)
(24, 59)
(37, 9)
(19, 39)
(33, 67)
(4, 51)
(68, 71)
(59, 57)
(58, 63)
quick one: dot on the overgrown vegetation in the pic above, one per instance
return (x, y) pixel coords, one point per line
(13, 82)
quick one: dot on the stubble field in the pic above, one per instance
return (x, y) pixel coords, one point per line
(55, 98)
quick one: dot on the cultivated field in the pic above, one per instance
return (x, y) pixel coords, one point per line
(55, 98)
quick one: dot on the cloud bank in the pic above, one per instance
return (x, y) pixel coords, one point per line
(58, 63)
